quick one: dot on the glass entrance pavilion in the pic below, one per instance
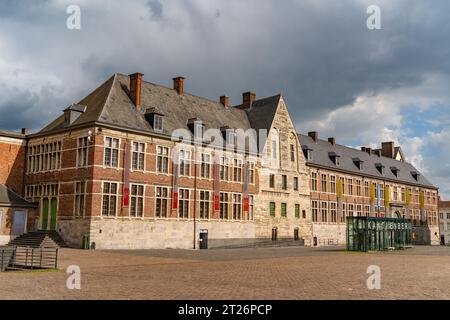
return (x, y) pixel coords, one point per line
(376, 234)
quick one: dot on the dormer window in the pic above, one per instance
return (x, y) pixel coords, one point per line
(358, 163)
(155, 118)
(395, 171)
(380, 168)
(196, 126)
(158, 123)
(307, 152)
(334, 157)
(415, 175)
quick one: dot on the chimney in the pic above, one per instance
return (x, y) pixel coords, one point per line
(24, 131)
(377, 152)
(247, 99)
(314, 135)
(387, 149)
(178, 85)
(367, 150)
(135, 88)
(225, 101)
(332, 141)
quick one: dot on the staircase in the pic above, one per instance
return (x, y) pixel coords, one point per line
(39, 239)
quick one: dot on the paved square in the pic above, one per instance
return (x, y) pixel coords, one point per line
(264, 273)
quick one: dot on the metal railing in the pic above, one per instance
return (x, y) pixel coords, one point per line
(28, 258)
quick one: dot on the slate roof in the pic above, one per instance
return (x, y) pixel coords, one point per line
(110, 104)
(320, 157)
(8, 198)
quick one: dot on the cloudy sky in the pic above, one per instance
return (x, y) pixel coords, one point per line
(338, 77)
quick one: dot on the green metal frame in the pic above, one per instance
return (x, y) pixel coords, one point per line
(377, 234)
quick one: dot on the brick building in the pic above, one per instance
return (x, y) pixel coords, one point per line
(103, 171)
(366, 182)
(16, 214)
(444, 222)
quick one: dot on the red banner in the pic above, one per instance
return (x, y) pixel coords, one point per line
(175, 200)
(216, 202)
(246, 204)
(126, 196)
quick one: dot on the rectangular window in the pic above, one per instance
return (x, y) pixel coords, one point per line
(46, 157)
(297, 211)
(111, 152)
(284, 182)
(272, 181)
(251, 172)
(296, 183)
(158, 123)
(333, 211)
(367, 211)
(358, 188)
(272, 209)
(237, 170)
(109, 199)
(224, 205)
(324, 212)
(82, 152)
(366, 189)
(138, 156)
(205, 204)
(205, 166)
(283, 210)
(80, 191)
(314, 181)
(358, 210)
(315, 211)
(183, 203)
(324, 183)
(350, 210)
(224, 168)
(251, 207)
(185, 163)
(333, 184)
(162, 201)
(292, 153)
(1, 218)
(395, 193)
(162, 159)
(344, 213)
(350, 187)
(274, 149)
(137, 200)
(237, 206)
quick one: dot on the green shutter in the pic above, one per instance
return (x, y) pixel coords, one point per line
(272, 209)
(283, 209)
(297, 211)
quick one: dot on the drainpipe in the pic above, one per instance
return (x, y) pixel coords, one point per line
(195, 193)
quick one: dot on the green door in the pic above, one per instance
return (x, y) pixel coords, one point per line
(44, 223)
(54, 206)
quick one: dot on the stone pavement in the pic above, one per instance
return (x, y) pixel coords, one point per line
(264, 273)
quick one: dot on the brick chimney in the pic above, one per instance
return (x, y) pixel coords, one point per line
(225, 101)
(314, 135)
(367, 150)
(135, 88)
(387, 149)
(24, 131)
(247, 99)
(332, 141)
(178, 85)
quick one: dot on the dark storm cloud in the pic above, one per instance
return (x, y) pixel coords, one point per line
(320, 55)
(156, 8)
